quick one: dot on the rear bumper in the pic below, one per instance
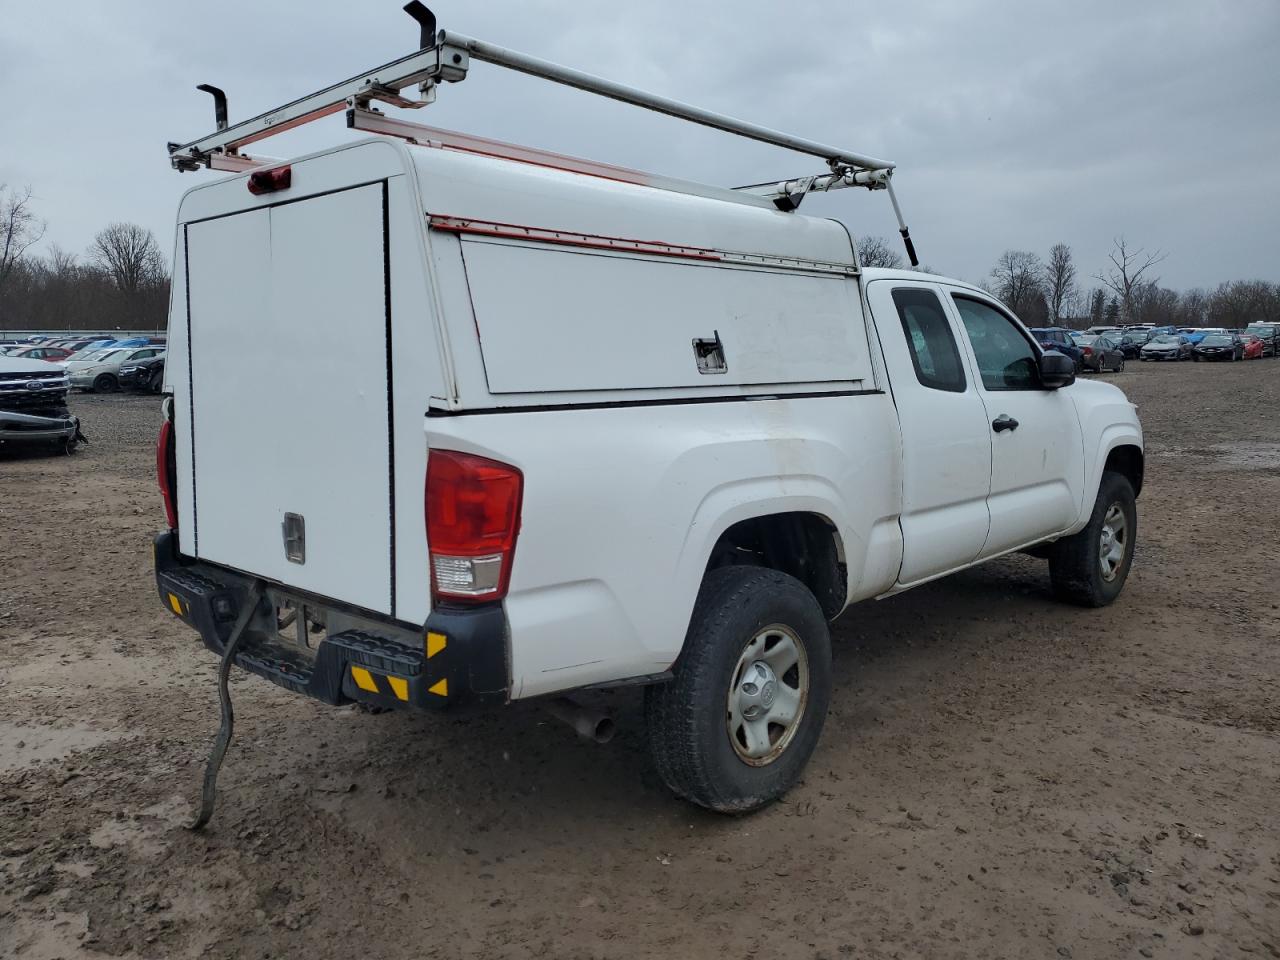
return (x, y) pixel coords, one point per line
(457, 659)
(28, 427)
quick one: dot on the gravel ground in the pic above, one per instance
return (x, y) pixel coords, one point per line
(1000, 776)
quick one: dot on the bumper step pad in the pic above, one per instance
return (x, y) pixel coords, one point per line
(460, 656)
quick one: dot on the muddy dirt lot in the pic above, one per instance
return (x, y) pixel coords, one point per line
(1000, 776)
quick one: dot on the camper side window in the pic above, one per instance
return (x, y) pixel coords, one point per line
(933, 346)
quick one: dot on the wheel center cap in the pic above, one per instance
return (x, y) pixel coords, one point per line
(758, 690)
(767, 694)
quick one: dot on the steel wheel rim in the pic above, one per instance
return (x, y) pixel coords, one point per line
(767, 695)
(1113, 542)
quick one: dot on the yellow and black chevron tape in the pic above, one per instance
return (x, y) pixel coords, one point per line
(399, 687)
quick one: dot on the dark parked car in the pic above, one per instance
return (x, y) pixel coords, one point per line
(1166, 346)
(1059, 338)
(1219, 346)
(1133, 341)
(1269, 334)
(147, 374)
(1099, 353)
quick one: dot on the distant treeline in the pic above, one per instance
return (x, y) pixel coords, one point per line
(120, 283)
(1044, 292)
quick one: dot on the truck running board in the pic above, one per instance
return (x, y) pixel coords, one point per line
(445, 57)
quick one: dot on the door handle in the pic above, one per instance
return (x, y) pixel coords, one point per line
(1004, 422)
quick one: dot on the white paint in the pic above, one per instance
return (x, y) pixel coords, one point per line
(622, 504)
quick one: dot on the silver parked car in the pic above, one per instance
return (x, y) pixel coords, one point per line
(1167, 346)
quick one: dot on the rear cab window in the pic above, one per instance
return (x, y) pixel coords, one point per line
(934, 353)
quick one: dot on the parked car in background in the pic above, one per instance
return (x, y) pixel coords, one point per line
(101, 371)
(1103, 331)
(1166, 346)
(1060, 339)
(1132, 342)
(1218, 346)
(145, 374)
(1099, 353)
(1252, 346)
(1269, 334)
(52, 354)
(33, 404)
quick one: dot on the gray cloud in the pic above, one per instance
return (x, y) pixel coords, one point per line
(1014, 125)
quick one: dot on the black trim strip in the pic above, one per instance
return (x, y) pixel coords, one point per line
(391, 414)
(191, 394)
(284, 203)
(658, 402)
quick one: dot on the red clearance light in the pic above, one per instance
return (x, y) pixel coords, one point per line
(165, 469)
(473, 517)
(269, 181)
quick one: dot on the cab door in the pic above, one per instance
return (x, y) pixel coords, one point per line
(1037, 448)
(946, 444)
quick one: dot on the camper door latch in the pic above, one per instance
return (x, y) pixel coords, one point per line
(294, 529)
(710, 354)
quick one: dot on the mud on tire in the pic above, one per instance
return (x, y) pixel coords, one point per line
(741, 611)
(1078, 565)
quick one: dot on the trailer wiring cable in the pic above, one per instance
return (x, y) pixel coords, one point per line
(228, 723)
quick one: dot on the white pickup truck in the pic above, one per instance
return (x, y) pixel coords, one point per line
(517, 424)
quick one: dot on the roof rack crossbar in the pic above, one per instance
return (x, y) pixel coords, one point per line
(523, 63)
(447, 60)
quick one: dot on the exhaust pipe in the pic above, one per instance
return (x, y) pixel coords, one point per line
(590, 723)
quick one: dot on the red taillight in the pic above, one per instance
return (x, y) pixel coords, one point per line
(165, 468)
(1088, 351)
(473, 517)
(269, 181)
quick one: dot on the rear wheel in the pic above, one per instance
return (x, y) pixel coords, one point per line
(1089, 568)
(105, 383)
(734, 729)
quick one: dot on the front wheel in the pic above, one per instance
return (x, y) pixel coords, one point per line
(105, 383)
(1089, 568)
(735, 727)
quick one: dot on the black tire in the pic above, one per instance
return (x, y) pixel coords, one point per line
(1075, 564)
(1196, 357)
(105, 383)
(687, 720)
(157, 382)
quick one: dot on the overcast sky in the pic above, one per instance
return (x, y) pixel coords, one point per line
(1014, 125)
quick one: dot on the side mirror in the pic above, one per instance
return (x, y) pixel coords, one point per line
(1056, 370)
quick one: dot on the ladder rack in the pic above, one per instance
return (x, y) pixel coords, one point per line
(445, 57)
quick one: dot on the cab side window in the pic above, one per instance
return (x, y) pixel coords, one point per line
(1006, 358)
(933, 347)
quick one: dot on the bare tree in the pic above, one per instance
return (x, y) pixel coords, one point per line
(19, 229)
(1018, 280)
(875, 252)
(130, 254)
(1238, 303)
(1059, 281)
(1128, 267)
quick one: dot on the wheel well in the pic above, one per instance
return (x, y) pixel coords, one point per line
(803, 545)
(1128, 462)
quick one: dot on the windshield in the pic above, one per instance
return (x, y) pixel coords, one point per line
(1166, 338)
(1260, 328)
(99, 355)
(1084, 339)
(1217, 340)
